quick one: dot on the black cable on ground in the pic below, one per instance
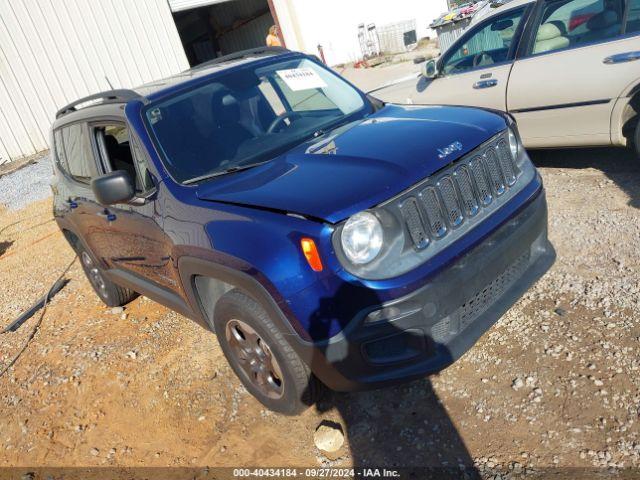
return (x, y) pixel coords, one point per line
(26, 315)
(36, 327)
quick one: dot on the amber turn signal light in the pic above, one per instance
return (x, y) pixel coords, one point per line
(311, 254)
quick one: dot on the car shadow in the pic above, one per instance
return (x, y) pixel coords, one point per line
(403, 427)
(422, 84)
(619, 164)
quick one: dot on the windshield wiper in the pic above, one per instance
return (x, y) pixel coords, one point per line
(319, 133)
(209, 176)
(331, 127)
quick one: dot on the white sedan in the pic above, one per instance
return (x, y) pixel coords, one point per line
(567, 70)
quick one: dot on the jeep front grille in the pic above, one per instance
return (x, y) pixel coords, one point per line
(470, 187)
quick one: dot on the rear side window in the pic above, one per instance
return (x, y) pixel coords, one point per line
(59, 148)
(633, 17)
(572, 23)
(74, 155)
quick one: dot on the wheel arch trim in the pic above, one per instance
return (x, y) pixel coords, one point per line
(204, 282)
(623, 111)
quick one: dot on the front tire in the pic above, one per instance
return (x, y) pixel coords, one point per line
(111, 294)
(260, 356)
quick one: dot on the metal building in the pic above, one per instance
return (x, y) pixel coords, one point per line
(55, 51)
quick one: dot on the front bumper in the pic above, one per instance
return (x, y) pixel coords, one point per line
(427, 330)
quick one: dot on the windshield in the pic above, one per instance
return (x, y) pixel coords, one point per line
(248, 116)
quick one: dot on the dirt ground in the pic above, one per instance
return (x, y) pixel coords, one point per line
(553, 384)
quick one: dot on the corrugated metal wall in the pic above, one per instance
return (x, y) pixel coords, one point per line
(55, 51)
(450, 32)
(392, 36)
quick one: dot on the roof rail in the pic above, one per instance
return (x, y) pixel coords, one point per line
(243, 54)
(110, 96)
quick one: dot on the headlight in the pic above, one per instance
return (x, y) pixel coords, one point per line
(513, 143)
(361, 238)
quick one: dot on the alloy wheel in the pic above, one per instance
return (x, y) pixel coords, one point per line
(94, 275)
(255, 358)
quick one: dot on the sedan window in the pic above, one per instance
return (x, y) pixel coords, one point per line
(569, 23)
(489, 44)
(633, 17)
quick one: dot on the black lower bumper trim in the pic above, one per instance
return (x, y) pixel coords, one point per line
(432, 327)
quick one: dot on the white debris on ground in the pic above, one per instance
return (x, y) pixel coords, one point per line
(328, 437)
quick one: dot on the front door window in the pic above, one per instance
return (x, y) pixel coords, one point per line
(490, 44)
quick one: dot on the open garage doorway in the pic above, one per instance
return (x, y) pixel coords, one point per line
(210, 28)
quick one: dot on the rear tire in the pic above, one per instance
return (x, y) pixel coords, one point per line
(111, 294)
(260, 356)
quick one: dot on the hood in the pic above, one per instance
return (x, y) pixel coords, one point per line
(361, 165)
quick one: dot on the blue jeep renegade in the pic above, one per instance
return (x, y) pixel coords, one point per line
(326, 237)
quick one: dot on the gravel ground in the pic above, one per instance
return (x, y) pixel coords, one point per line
(553, 385)
(27, 185)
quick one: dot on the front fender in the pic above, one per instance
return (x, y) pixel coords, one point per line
(257, 251)
(269, 243)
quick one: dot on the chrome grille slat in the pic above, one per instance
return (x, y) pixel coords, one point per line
(411, 214)
(458, 194)
(495, 172)
(434, 213)
(462, 176)
(509, 168)
(450, 201)
(480, 177)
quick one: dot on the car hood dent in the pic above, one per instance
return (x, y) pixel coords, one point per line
(358, 167)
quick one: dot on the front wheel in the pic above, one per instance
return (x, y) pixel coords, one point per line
(260, 356)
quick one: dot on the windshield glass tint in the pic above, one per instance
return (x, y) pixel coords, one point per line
(248, 116)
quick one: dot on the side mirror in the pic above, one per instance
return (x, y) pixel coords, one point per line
(112, 188)
(430, 69)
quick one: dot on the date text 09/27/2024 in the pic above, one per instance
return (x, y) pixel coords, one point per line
(337, 473)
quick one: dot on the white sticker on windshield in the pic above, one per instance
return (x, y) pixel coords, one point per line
(298, 79)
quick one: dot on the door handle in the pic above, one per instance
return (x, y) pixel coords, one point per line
(485, 84)
(622, 58)
(107, 215)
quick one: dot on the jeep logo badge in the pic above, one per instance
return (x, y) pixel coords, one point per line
(446, 151)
